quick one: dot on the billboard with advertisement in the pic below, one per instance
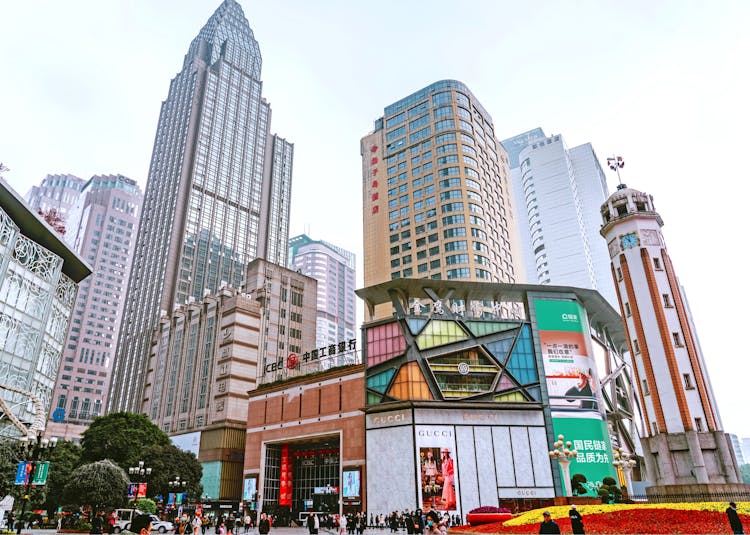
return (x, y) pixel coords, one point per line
(351, 485)
(573, 386)
(437, 477)
(249, 489)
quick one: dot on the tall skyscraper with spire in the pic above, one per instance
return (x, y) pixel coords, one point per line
(685, 449)
(217, 195)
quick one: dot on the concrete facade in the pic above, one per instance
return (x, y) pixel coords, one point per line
(288, 314)
(203, 362)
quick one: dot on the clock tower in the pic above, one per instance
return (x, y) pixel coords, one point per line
(684, 446)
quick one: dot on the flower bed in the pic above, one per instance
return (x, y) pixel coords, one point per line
(475, 519)
(705, 517)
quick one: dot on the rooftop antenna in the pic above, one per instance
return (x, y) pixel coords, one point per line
(616, 163)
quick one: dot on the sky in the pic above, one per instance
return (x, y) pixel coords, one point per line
(662, 83)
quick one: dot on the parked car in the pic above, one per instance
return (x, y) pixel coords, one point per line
(162, 526)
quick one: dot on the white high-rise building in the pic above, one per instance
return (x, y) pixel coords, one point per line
(334, 269)
(557, 193)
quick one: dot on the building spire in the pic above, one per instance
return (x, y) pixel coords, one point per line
(616, 163)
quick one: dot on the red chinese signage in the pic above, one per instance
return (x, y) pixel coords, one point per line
(285, 483)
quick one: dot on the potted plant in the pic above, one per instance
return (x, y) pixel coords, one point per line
(487, 514)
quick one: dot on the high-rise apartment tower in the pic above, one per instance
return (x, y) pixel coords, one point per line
(558, 192)
(437, 194)
(101, 227)
(217, 194)
(56, 191)
(334, 269)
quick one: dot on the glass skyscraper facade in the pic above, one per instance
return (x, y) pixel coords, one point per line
(217, 194)
(436, 190)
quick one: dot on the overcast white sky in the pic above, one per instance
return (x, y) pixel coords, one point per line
(664, 84)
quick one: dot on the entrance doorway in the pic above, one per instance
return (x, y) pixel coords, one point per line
(313, 483)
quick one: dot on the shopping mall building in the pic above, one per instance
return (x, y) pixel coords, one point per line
(456, 404)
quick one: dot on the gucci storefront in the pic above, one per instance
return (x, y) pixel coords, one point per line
(469, 384)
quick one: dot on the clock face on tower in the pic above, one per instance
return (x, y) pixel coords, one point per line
(629, 240)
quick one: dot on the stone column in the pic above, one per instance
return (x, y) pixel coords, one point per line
(696, 456)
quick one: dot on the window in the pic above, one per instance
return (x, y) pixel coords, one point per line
(459, 273)
(456, 246)
(654, 427)
(677, 339)
(699, 425)
(619, 274)
(646, 391)
(657, 264)
(453, 232)
(627, 309)
(667, 300)
(688, 381)
(434, 264)
(421, 268)
(636, 347)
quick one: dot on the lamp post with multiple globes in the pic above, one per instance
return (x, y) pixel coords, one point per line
(179, 485)
(34, 445)
(563, 454)
(626, 464)
(139, 472)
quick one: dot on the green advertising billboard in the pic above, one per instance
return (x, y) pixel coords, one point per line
(572, 381)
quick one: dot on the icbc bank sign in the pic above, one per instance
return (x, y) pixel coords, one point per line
(294, 361)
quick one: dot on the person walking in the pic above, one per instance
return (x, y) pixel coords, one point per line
(313, 524)
(548, 525)
(734, 519)
(264, 526)
(576, 520)
(342, 525)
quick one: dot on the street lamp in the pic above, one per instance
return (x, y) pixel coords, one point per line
(563, 454)
(179, 485)
(626, 464)
(139, 472)
(33, 445)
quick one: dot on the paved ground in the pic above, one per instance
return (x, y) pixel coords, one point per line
(274, 531)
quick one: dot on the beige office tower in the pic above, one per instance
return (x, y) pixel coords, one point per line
(436, 192)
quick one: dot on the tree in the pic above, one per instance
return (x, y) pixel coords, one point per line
(11, 452)
(144, 505)
(576, 483)
(745, 471)
(99, 484)
(168, 462)
(121, 437)
(54, 219)
(65, 458)
(609, 490)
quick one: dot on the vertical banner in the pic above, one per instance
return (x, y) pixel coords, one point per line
(22, 473)
(285, 483)
(142, 489)
(437, 476)
(572, 380)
